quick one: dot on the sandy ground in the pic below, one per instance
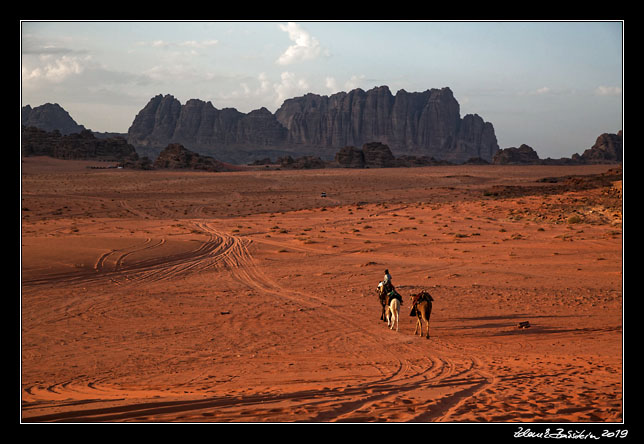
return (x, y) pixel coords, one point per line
(153, 296)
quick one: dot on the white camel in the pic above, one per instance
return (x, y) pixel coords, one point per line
(393, 313)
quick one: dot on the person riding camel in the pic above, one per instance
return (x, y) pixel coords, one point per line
(388, 288)
(386, 282)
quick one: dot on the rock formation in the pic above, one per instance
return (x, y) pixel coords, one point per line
(50, 117)
(226, 133)
(516, 156)
(420, 124)
(607, 149)
(83, 145)
(426, 123)
(175, 156)
(301, 163)
(372, 155)
(377, 155)
(350, 157)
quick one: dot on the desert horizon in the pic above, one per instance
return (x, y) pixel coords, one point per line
(250, 296)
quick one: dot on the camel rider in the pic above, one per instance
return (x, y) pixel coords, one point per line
(386, 282)
(389, 289)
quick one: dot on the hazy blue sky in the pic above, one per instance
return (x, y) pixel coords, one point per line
(555, 86)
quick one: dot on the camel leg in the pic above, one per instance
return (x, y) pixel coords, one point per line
(396, 316)
(427, 336)
(416, 329)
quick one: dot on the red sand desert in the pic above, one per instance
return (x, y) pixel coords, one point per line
(174, 296)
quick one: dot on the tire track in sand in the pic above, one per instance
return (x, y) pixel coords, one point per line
(419, 381)
(456, 377)
(111, 265)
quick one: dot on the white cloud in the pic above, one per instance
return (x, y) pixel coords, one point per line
(306, 47)
(608, 91)
(264, 91)
(289, 87)
(537, 92)
(264, 83)
(191, 45)
(354, 82)
(331, 84)
(199, 45)
(172, 72)
(52, 69)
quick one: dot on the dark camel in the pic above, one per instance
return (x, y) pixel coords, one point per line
(382, 296)
(421, 307)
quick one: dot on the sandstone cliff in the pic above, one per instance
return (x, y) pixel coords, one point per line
(426, 123)
(422, 124)
(227, 134)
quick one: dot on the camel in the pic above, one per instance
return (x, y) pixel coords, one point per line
(393, 313)
(382, 296)
(422, 308)
(390, 307)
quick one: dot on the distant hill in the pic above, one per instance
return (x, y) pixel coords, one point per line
(50, 117)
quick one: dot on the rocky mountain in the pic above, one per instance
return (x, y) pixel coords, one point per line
(426, 123)
(422, 124)
(228, 134)
(83, 145)
(50, 117)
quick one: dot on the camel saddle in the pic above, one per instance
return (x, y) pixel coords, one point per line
(417, 298)
(393, 294)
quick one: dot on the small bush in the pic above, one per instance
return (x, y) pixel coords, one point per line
(574, 219)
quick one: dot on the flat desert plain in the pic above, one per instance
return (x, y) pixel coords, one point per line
(183, 296)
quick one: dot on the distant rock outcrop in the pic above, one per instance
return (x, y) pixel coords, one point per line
(377, 155)
(607, 149)
(419, 124)
(301, 163)
(77, 146)
(50, 117)
(371, 155)
(516, 156)
(350, 157)
(175, 156)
